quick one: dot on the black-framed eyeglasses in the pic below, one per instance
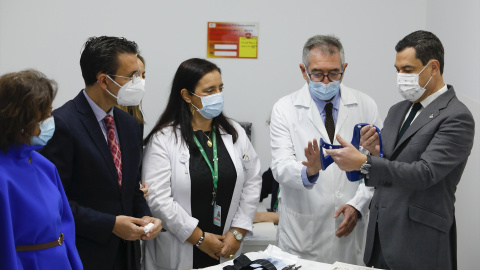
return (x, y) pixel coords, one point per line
(318, 77)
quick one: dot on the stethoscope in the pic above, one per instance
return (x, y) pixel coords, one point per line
(327, 160)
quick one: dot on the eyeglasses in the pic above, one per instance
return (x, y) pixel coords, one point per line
(134, 77)
(318, 77)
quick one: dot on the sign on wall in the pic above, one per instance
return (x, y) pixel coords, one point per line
(232, 40)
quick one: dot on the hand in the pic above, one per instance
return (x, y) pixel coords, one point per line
(128, 228)
(347, 158)
(349, 222)
(231, 245)
(155, 230)
(312, 153)
(144, 189)
(212, 245)
(369, 140)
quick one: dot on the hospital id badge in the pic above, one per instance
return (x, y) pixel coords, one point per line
(217, 215)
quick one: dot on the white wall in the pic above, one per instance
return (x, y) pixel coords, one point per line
(48, 35)
(457, 25)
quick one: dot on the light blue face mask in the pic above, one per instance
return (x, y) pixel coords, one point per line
(212, 105)
(323, 91)
(47, 128)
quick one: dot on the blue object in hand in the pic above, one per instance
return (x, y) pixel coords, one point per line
(327, 160)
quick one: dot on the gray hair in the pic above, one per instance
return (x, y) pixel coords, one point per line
(326, 44)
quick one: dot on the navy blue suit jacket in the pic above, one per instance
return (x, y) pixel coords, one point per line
(83, 159)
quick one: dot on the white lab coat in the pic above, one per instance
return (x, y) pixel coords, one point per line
(307, 227)
(166, 171)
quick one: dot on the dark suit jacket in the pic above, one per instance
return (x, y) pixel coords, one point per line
(415, 184)
(82, 156)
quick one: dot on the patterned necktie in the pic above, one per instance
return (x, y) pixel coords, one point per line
(329, 123)
(416, 106)
(114, 148)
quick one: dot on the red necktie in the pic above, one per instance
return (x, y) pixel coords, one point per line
(114, 148)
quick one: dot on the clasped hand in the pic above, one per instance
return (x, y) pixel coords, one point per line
(217, 246)
(130, 228)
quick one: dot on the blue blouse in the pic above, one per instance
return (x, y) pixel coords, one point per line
(34, 210)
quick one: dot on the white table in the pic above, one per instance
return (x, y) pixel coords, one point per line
(306, 264)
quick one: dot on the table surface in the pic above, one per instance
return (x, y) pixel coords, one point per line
(306, 264)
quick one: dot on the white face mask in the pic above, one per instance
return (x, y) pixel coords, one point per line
(408, 85)
(131, 93)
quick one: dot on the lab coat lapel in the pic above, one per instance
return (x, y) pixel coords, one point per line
(228, 142)
(305, 100)
(346, 100)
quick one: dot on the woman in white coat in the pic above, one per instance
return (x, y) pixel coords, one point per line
(202, 172)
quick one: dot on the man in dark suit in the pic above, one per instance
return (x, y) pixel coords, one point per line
(96, 150)
(426, 142)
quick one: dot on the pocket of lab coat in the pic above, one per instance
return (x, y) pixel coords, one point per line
(295, 231)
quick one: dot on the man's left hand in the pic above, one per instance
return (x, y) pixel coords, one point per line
(347, 158)
(349, 222)
(155, 230)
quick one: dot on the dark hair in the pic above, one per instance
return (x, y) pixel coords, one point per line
(25, 99)
(100, 54)
(427, 47)
(141, 59)
(178, 112)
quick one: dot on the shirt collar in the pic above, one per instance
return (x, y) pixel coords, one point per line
(321, 103)
(433, 96)
(99, 113)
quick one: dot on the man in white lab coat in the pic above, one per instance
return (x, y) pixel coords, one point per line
(323, 216)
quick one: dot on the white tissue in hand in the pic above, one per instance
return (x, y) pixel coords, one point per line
(148, 227)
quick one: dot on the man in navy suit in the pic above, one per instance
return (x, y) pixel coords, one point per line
(96, 150)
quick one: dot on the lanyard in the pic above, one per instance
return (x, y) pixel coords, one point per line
(215, 161)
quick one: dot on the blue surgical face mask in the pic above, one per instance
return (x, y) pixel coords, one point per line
(212, 105)
(47, 128)
(323, 91)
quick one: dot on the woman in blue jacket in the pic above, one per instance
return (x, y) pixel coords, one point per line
(37, 230)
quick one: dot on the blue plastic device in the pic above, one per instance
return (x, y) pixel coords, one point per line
(327, 160)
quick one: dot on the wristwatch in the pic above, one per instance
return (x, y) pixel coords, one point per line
(238, 235)
(365, 168)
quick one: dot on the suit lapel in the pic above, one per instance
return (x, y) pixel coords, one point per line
(395, 124)
(93, 128)
(429, 113)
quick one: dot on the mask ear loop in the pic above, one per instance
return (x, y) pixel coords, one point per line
(192, 107)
